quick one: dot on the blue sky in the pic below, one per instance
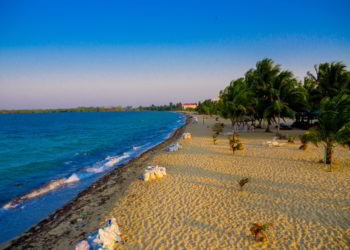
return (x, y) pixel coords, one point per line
(92, 53)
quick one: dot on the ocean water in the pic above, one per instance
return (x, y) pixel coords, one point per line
(47, 159)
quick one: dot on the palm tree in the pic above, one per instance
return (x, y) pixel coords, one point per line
(282, 94)
(334, 123)
(330, 78)
(236, 100)
(313, 95)
(261, 80)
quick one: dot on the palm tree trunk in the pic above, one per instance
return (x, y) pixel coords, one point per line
(329, 152)
(268, 126)
(233, 122)
(278, 123)
(260, 121)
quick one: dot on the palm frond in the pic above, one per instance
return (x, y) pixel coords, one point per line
(343, 135)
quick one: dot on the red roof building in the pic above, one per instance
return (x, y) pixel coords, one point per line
(189, 105)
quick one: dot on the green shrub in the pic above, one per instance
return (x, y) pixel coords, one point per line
(291, 139)
(215, 138)
(235, 143)
(304, 141)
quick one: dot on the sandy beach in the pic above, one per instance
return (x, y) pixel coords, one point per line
(199, 205)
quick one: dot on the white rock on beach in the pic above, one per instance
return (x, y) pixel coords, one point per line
(109, 235)
(106, 238)
(163, 170)
(82, 245)
(174, 147)
(273, 143)
(154, 172)
(187, 136)
(146, 176)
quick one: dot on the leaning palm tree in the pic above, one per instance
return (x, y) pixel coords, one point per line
(334, 124)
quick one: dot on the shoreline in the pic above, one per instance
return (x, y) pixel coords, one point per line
(80, 214)
(199, 204)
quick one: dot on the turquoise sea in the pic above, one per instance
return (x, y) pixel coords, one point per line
(47, 159)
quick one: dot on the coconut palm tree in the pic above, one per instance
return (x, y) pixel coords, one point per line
(284, 93)
(261, 80)
(236, 100)
(313, 95)
(330, 78)
(334, 123)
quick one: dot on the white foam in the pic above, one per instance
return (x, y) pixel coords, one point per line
(95, 170)
(42, 190)
(115, 159)
(72, 178)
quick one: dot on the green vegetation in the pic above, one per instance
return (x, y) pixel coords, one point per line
(334, 124)
(291, 139)
(330, 88)
(320, 103)
(304, 141)
(170, 107)
(242, 182)
(79, 109)
(259, 231)
(215, 138)
(237, 100)
(218, 127)
(235, 143)
(269, 93)
(208, 107)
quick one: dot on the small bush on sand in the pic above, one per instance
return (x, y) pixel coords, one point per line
(242, 182)
(239, 146)
(235, 143)
(215, 138)
(259, 231)
(291, 139)
(304, 142)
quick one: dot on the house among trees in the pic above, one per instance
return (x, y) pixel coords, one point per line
(189, 105)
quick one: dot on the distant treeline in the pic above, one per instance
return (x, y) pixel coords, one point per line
(170, 107)
(79, 109)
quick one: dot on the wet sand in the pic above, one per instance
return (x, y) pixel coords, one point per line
(199, 204)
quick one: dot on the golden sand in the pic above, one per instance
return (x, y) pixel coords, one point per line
(199, 203)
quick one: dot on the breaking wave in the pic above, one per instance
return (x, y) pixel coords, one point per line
(111, 161)
(50, 186)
